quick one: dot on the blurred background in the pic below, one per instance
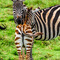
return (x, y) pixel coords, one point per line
(42, 50)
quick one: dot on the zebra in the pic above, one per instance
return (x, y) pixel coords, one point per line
(24, 39)
(19, 12)
(47, 21)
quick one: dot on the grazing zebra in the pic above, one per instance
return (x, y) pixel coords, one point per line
(24, 39)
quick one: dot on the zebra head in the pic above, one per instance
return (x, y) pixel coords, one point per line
(17, 11)
(31, 16)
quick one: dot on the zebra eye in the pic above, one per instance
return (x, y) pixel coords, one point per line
(18, 32)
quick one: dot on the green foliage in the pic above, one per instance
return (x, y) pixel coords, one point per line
(41, 3)
(42, 50)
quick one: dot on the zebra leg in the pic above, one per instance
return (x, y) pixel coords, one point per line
(23, 54)
(27, 55)
(18, 43)
(31, 54)
(20, 56)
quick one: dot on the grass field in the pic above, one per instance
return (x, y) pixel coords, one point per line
(42, 50)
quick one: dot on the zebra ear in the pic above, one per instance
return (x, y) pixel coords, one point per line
(37, 34)
(29, 9)
(39, 8)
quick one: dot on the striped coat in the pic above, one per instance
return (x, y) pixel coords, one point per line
(47, 21)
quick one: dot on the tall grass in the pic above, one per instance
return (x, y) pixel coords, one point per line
(42, 50)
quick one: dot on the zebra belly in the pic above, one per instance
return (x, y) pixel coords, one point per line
(38, 38)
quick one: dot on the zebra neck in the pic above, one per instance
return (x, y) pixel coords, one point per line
(36, 25)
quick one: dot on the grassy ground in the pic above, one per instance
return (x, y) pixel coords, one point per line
(42, 50)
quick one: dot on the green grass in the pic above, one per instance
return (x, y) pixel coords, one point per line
(42, 50)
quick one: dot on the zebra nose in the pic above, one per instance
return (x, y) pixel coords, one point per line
(19, 19)
(19, 16)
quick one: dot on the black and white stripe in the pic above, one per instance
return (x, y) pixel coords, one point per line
(48, 22)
